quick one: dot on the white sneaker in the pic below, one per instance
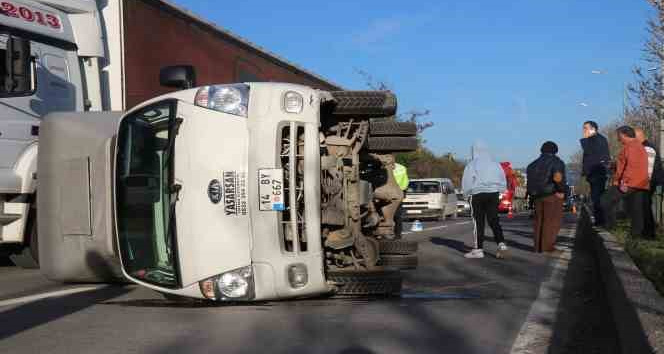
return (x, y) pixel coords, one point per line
(475, 253)
(502, 246)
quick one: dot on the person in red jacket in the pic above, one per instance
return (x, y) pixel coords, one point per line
(631, 177)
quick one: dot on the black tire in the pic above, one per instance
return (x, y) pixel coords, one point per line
(29, 256)
(364, 103)
(397, 247)
(363, 283)
(391, 144)
(392, 128)
(402, 262)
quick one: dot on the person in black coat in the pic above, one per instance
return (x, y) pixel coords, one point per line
(596, 159)
(547, 185)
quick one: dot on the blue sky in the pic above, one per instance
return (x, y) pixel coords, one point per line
(512, 73)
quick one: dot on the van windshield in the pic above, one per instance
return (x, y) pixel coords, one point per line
(145, 229)
(424, 187)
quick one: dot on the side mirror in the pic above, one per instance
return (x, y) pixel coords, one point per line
(179, 76)
(17, 65)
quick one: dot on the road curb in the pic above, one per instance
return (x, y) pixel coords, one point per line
(636, 306)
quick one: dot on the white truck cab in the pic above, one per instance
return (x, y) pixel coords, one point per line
(430, 198)
(43, 55)
(239, 192)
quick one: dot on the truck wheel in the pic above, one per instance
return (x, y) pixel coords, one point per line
(392, 128)
(363, 283)
(355, 104)
(397, 247)
(401, 262)
(391, 144)
(29, 256)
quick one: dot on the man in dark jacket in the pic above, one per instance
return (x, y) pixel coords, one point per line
(547, 186)
(596, 159)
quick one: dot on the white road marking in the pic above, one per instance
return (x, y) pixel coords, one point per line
(464, 223)
(427, 229)
(57, 293)
(537, 328)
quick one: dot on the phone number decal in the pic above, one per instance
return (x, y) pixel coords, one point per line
(29, 15)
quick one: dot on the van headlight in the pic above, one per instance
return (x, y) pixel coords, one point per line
(231, 99)
(236, 285)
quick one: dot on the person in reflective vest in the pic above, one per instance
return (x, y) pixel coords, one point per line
(400, 173)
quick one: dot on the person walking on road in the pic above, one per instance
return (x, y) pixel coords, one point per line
(401, 176)
(483, 179)
(631, 178)
(596, 159)
(547, 186)
(655, 174)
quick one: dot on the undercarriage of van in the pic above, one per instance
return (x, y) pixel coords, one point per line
(359, 195)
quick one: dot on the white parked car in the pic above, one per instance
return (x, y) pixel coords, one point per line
(430, 198)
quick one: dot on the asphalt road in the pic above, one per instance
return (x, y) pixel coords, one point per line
(449, 305)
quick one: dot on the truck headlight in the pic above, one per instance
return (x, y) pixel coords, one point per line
(235, 285)
(293, 102)
(231, 99)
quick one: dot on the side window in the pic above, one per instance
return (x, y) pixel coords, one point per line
(16, 67)
(55, 77)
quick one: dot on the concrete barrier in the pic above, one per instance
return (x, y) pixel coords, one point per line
(636, 306)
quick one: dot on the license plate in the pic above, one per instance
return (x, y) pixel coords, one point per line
(413, 211)
(271, 189)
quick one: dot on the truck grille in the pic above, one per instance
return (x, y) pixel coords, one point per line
(293, 225)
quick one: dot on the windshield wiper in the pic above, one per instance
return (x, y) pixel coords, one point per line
(173, 130)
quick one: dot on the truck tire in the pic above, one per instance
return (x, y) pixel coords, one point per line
(391, 144)
(392, 128)
(29, 256)
(374, 104)
(363, 283)
(397, 247)
(401, 262)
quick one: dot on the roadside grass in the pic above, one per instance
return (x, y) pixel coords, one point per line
(647, 254)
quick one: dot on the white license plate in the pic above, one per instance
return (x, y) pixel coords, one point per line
(413, 211)
(271, 189)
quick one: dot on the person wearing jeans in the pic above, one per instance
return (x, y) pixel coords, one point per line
(483, 179)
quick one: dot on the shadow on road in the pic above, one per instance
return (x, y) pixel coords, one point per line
(584, 323)
(451, 243)
(33, 314)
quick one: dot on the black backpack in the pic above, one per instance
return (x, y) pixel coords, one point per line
(540, 180)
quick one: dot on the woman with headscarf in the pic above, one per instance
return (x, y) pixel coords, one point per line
(483, 180)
